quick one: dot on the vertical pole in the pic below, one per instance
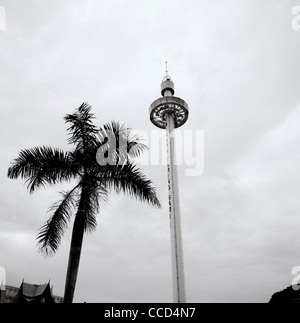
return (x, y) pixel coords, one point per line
(2, 285)
(174, 212)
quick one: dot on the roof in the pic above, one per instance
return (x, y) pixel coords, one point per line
(36, 293)
(29, 290)
(30, 293)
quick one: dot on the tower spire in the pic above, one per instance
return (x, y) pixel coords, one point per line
(167, 85)
(167, 67)
(167, 75)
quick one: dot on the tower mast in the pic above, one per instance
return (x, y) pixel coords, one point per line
(170, 112)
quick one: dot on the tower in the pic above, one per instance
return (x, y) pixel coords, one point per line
(170, 112)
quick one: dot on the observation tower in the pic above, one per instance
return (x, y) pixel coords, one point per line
(170, 112)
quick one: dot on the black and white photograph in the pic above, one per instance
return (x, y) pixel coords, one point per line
(150, 153)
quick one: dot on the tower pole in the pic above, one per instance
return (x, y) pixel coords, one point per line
(179, 295)
(169, 112)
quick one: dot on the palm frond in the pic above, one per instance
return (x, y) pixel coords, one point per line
(41, 166)
(119, 143)
(129, 180)
(135, 148)
(82, 131)
(93, 194)
(50, 234)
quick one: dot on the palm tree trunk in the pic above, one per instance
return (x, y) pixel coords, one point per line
(75, 252)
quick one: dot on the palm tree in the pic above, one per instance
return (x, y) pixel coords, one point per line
(101, 160)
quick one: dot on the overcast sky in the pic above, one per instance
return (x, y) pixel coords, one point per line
(236, 63)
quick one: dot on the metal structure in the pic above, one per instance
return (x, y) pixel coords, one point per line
(170, 112)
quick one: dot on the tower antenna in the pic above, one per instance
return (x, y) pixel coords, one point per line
(167, 76)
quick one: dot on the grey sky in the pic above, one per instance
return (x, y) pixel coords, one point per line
(236, 63)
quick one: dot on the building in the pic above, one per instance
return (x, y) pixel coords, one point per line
(290, 295)
(29, 293)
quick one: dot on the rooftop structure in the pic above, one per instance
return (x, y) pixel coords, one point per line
(29, 293)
